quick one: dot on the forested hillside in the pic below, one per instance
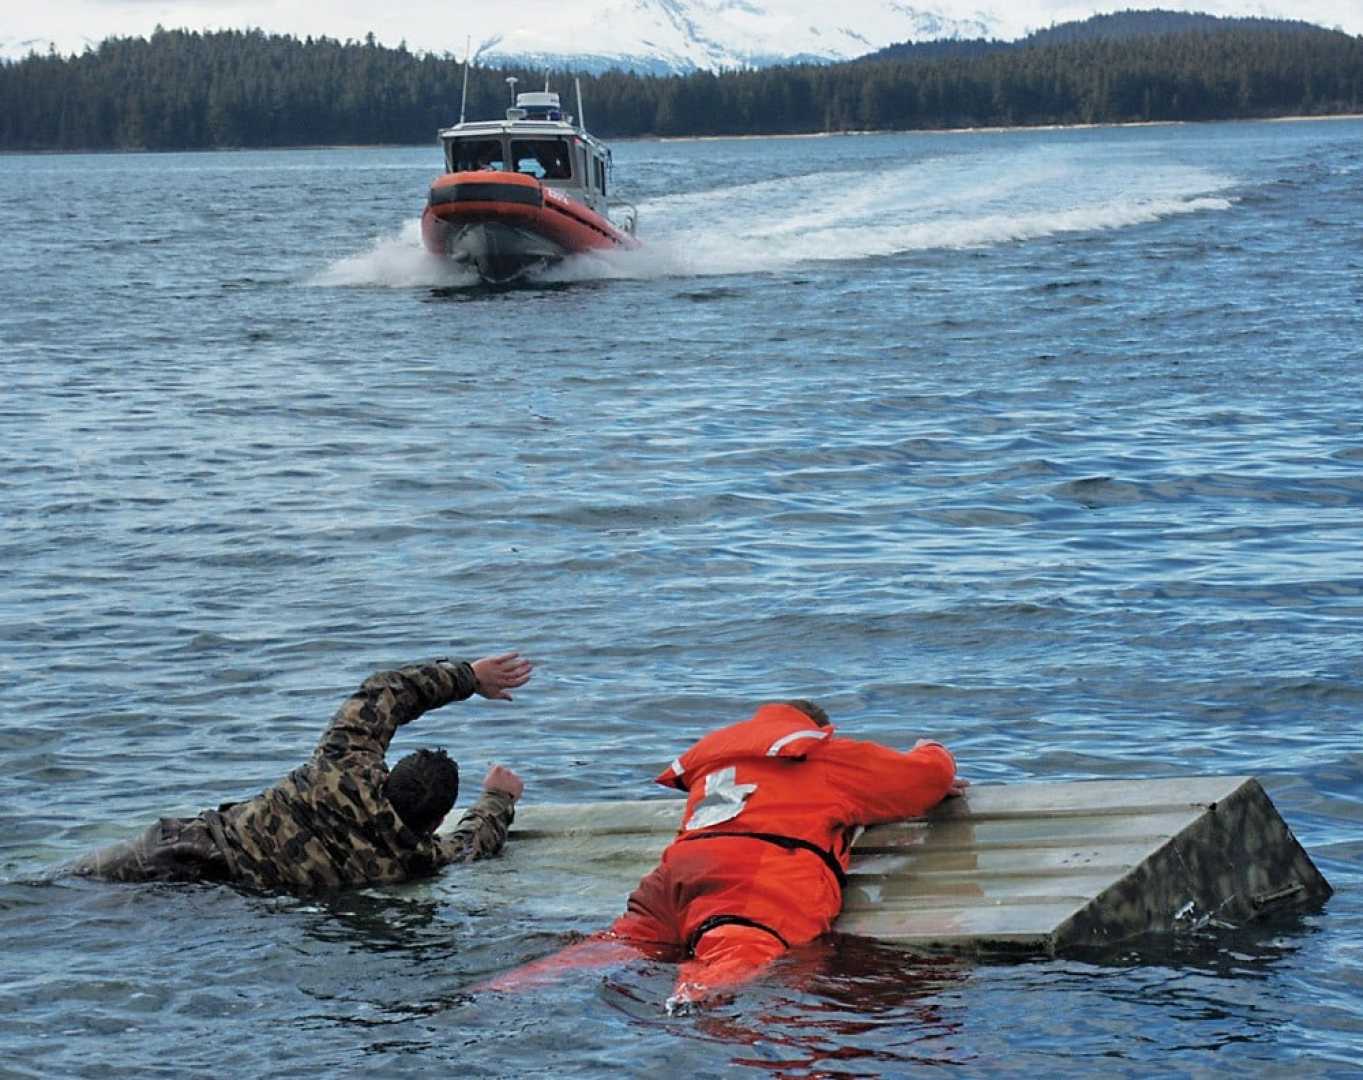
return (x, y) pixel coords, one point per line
(1115, 26)
(183, 90)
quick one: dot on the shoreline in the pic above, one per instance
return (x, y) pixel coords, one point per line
(986, 130)
(993, 129)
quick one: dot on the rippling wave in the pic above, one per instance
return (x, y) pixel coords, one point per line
(1045, 443)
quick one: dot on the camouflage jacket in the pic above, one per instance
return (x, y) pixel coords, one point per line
(328, 824)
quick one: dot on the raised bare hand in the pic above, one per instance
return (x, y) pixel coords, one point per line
(498, 674)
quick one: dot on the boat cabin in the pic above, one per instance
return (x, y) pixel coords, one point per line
(537, 140)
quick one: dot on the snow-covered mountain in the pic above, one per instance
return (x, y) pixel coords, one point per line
(686, 35)
(647, 35)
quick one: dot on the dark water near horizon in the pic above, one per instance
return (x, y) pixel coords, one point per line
(1044, 443)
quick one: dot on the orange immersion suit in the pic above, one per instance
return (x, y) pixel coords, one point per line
(774, 804)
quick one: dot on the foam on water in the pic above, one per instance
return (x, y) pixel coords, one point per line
(771, 225)
(946, 203)
(395, 261)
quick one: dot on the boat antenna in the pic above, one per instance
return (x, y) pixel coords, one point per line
(511, 81)
(464, 97)
(581, 119)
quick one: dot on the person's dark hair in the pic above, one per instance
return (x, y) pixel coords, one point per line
(810, 710)
(422, 788)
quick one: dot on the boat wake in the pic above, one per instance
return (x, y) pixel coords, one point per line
(952, 202)
(942, 204)
(395, 261)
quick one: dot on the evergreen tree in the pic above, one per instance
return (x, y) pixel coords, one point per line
(185, 90)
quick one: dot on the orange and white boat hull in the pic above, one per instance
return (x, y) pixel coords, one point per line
(505, 224)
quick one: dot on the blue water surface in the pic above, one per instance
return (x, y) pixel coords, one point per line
(1044, 443)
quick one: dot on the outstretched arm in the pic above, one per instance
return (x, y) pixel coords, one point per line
(481, 832)
(883, 784)
(364, 725)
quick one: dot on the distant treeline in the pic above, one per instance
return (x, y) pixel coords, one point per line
(185, 90)
(1113, 27)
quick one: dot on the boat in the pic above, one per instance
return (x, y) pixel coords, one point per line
(523, 193)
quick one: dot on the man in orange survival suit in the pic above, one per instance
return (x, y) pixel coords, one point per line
(758, 866)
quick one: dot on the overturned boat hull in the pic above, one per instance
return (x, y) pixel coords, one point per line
(1038, 868)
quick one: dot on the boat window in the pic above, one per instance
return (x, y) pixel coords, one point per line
(582, 169)
(601, 175)
(469, 155)
(544, 158)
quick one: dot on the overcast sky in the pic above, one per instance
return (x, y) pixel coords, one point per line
(443, 25)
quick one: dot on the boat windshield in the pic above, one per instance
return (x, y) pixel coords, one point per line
(546, 159)
(470, 155)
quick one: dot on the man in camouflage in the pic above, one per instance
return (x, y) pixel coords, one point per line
(343, 818)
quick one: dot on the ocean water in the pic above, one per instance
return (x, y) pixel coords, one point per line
(1044, 443)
